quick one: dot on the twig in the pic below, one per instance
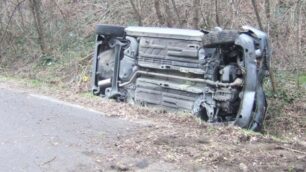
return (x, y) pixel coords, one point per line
(60, 10)
(47, 162)
(261, 28)
(137, 12)
(217, 13)
(88, 56)
(257, 14)
(177, 13)
(159, 15)
(35, 6)
(292, 150)
(168, 13)
(195, 19)
(10, 19)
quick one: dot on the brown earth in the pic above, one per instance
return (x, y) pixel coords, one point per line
(182, 140)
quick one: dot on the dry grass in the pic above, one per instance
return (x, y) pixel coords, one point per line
(69, 29)
(286, 115)
(181, 140)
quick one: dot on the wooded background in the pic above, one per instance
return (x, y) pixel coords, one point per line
(52, 40)
(34, 27)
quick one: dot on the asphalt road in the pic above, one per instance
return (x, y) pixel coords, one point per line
(38, 133)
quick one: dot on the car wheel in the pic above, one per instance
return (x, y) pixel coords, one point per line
(217, 38)
(110, 30)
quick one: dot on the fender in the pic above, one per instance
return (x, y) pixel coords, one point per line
(244, 115)
(94, 80)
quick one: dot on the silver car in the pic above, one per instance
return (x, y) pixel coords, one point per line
(217, 75)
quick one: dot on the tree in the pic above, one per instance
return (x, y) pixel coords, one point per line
(168, 13)
(261, 28)
(257, 14)
(137, 12)
(159, 15)
(217, 13)
(35, 6)
(177, 13)
(195, 19)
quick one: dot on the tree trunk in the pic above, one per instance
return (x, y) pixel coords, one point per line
(177, 13)
(159, 15)
(257, 14)
(168, 13)
(137, 13)
(217, 13)
(299, 41)
(195, 19)
(299, 24)
(1, 18)
(267, 8)
(35, 9)
(261, 28)
(21, 16)
(268, 15)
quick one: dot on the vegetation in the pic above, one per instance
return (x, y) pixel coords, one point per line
(52, 41)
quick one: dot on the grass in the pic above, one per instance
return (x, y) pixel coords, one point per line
(89, 95)
(32, 83)
(35, 83)
(61, 68)
(302, 79)
(281, 122)
(285, 114)
(250, 133)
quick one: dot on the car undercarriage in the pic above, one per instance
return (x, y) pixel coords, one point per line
(217, 75)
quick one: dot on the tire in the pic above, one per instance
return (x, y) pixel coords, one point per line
(110, 30)
(217, 38)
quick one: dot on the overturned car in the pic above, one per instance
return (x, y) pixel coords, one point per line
(217, 75)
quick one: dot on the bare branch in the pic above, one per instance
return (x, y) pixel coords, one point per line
(267, 8)
(217, 13)
(195, 19)
(268, 15)
(159, 15)
(10, 19)
(257, 14)
(177, 13)
(60, 10)
(35, 9)
(261, 28)
(168, 13)
(299, 24)
(137, 13)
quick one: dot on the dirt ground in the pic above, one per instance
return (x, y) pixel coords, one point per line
(184, 141)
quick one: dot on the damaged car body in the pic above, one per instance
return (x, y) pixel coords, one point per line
(217, 75)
